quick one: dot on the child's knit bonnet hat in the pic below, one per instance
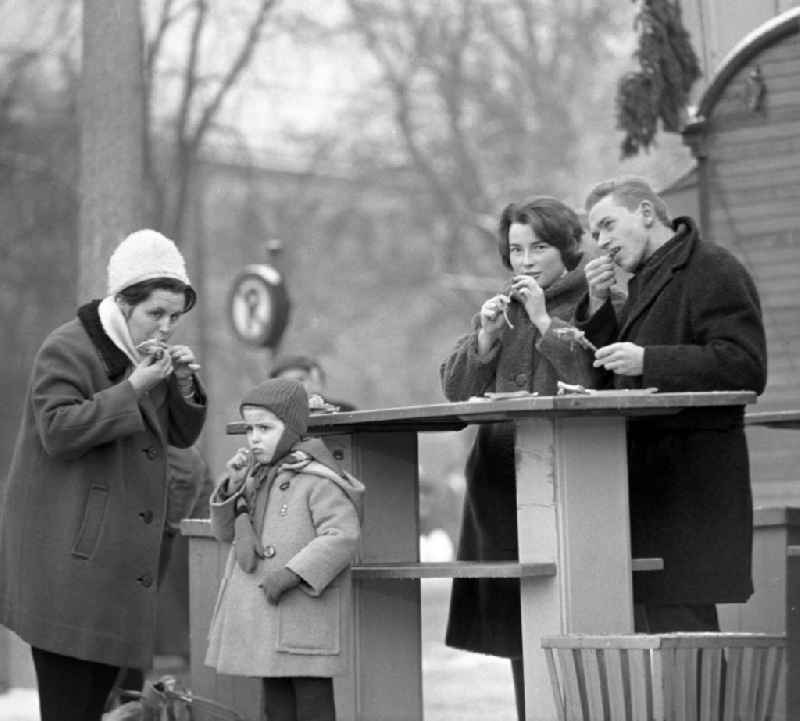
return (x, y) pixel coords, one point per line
(284, 397)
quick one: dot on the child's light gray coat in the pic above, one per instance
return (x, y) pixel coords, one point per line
(308, 517)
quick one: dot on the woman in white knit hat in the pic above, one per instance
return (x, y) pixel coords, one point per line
(83, 513)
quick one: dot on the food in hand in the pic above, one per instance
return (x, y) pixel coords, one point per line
(152, 348)
(574, 335)
(504, 303)
(241, 459)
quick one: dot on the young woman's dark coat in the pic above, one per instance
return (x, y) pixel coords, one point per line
(696, 311)
(84, 504)
(485, 613)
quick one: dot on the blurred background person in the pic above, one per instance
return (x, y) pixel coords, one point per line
(309, 372)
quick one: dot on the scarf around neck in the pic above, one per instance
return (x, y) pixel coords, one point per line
(116, 328)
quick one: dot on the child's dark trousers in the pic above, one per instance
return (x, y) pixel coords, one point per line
(299, 698)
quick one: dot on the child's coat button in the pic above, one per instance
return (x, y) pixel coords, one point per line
(269, 551)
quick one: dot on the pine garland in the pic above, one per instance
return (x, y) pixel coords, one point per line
(660, 88)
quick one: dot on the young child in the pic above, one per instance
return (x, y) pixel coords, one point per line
(283, 609)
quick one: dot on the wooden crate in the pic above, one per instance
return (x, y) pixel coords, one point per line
(665, 677)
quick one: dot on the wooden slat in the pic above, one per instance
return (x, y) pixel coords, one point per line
(454, 569)
(784, 99)
(750, 673)
(775, 671)
(787, 49)
(782, 93)
(647, 564)
(756, 147)
(758, 181)
(679, 687)
(555, 684)
(784, 303)
(686, 660)
(748, 201)
(616, 675)
(720, 226)
(746, 119)
(669, 672)
(641, 683)
(778, 76)
(586, 640)
(722, 143)
(710, 688)
(662, 662)
(570, 672)
(774, 402)
(594, 679)
(764, 671)
(721, 211)
(721, 640)
(749, 194)
(733, 679)
(750, 166)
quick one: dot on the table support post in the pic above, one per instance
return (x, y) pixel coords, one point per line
(386, 682)
(572, 509)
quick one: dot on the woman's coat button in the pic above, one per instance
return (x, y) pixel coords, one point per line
(146, 580)
(269, 551)
(146, 516)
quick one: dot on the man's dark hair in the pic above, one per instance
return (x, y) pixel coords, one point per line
(630, 192)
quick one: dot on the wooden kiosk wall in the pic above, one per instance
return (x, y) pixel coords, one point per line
(746, 138)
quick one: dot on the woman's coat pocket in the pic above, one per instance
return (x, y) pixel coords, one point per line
(309, 625)
(92, 522)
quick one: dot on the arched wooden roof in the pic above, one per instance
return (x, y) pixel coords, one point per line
(772, 31)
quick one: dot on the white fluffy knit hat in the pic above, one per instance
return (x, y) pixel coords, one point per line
(144, 255)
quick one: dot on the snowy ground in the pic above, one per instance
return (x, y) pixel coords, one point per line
(457, 686)
(19, 704)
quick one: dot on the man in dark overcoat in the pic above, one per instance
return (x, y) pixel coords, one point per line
(692, 322)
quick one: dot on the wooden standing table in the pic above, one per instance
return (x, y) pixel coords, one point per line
(575, 564)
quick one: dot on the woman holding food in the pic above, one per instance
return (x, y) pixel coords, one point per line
(521, 342)
(83, 509)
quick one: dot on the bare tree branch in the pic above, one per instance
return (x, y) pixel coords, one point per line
(241, 61)
(190, 77)
(459, 194)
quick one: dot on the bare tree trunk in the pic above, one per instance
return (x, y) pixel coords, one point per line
(112, 127)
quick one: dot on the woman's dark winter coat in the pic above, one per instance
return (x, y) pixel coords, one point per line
(485, 613)
(695, 310)
(84, 504)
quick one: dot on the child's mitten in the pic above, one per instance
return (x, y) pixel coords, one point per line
(278, 582)
(246, 545)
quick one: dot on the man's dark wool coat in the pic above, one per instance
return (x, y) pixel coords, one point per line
(695, 310)
(84, 505)
(485, 613)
